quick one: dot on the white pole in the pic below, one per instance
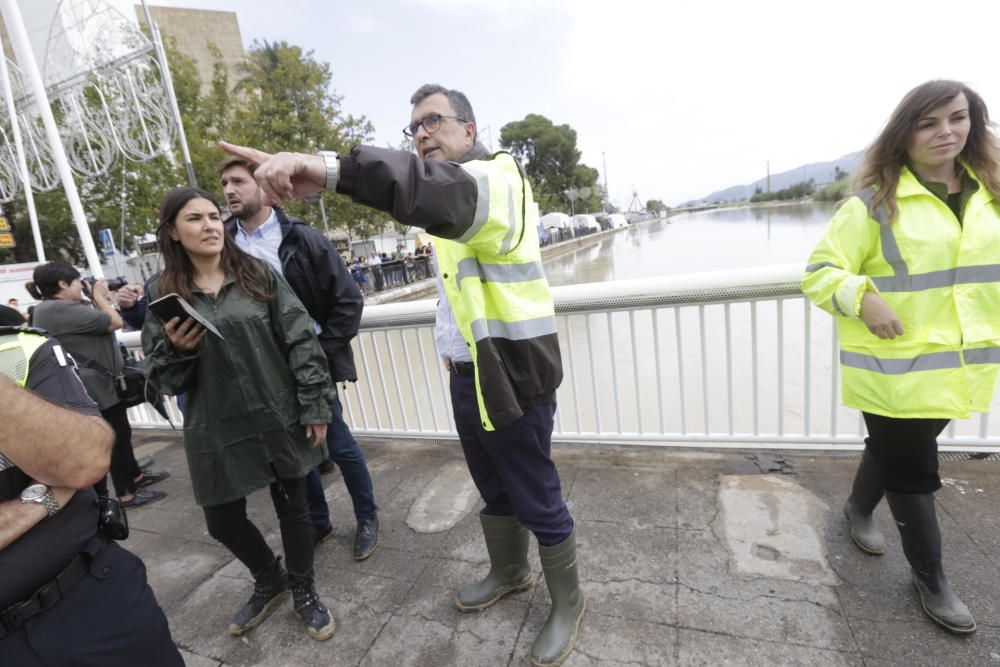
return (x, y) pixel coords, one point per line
(26, 60)
(15, 129)
(168, 83)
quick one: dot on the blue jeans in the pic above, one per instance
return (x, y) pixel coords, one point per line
(344, 451)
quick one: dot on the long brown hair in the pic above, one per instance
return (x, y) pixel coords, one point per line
(251, 274)
(885, 157)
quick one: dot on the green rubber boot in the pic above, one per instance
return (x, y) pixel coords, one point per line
(558, 636)
(507, 544)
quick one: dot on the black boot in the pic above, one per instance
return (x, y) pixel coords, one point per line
(270, 587)
(317, 618)
(918, 527)
(865, 496)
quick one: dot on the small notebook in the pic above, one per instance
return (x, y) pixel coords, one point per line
(172, 305)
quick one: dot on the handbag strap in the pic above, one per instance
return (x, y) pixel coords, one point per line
(87, 362)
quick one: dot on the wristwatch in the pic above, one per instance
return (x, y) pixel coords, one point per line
(41, 494)
(332, 161)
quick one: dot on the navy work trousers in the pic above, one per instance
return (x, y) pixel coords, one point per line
(343, 449)
(109, 617)
(512, 466)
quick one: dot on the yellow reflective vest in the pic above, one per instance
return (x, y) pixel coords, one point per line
(942, 278)
(17, 347)
(497, 289)
(481, 210)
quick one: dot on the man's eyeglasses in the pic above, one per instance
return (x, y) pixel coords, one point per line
(431, 123)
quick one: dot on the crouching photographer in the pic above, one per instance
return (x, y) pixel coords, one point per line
(86, 331)
(68, 595)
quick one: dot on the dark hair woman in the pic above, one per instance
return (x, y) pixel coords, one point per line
(907, 267)
(87, 333)
(257, 400)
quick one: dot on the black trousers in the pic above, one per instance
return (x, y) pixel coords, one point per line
(512, 466)
(907, 452)
(110, 617)
(124, 468)
(228, 523)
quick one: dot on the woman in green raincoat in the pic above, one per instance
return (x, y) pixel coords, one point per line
(257, 398)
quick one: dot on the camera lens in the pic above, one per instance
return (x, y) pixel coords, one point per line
(116, 283)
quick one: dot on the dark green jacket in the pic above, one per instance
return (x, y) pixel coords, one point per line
(249, 396)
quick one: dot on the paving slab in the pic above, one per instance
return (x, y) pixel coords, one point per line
(659, 565)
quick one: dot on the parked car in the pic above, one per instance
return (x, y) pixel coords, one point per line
(618, 220)
(558, 225)
(584, 223)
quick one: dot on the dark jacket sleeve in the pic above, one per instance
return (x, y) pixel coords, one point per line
(171, 371)
(438, 196)
(136, 315)
(342, 304)
(291, 325)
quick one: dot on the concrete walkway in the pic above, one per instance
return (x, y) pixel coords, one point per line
(686, 558)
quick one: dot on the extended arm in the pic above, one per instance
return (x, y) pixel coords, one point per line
(59, 447)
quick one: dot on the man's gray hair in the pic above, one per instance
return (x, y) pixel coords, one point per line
(459, 102)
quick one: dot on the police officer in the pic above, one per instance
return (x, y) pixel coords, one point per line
(68, 594)
(498, 316)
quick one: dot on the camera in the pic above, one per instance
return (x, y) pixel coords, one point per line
(113, 283)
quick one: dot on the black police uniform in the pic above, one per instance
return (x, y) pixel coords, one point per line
(68, 595)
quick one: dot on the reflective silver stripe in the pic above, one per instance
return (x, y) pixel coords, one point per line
(522, 330)
(881, 214)
(963, 275)
(499, 273)
(5, 462)
(836, 304)
(890, 250)
(820, 265)
(983, 355)
(925, 362)
(482, 203)
(512, 218)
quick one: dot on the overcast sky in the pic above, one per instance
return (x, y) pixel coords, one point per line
(681, 97)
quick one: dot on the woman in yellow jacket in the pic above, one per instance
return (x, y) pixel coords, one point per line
(910, 267)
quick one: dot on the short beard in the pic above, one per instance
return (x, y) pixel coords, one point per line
(249, 210)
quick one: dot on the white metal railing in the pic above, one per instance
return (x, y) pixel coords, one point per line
(723, 359)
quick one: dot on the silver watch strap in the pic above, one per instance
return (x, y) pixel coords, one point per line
(332, 161)
(50, 503)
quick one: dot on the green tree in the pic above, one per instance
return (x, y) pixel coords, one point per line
(283, 99)
(656, 206)
(552, 161)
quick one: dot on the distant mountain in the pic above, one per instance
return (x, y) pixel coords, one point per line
(820, 172)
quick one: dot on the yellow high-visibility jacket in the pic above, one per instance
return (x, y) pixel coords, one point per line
(482, 212)
(942, 278)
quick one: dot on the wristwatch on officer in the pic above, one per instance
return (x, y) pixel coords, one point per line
(332, 161)
(41, 494)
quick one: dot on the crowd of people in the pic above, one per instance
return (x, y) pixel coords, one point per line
(382, 271)
(900, 267)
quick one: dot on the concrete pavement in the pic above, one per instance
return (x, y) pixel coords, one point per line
(686, 558)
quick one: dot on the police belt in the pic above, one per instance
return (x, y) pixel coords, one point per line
(16, 615)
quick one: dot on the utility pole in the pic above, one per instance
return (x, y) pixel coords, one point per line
(768, 175)
(22, 164)
(607, 192)
(168, 84)
(26, 60)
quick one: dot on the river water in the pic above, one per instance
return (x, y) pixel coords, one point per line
(765, 368)
(692, 242)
